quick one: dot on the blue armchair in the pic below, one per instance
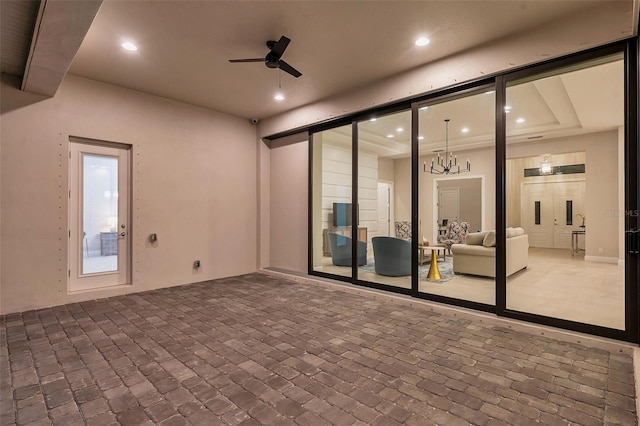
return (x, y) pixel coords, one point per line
(341, 250)
(392, 256)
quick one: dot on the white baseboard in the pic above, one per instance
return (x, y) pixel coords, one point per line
(602, 259)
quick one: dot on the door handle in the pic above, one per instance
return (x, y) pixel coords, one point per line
(633, 241)
(123, 234)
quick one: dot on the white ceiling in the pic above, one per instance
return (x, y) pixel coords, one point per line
(583, 100)
(184, 46)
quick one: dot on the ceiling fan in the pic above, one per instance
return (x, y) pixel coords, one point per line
(272, 60)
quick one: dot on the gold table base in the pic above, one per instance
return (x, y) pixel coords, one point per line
(434, 272)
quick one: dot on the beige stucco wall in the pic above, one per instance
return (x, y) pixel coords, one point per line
(289, 183)
(194, 184)
(264, 203)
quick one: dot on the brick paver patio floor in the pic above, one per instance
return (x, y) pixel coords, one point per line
(261, 349)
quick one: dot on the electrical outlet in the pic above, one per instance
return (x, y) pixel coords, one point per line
(196, 264)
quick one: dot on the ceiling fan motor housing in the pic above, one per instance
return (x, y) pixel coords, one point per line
(271, 60)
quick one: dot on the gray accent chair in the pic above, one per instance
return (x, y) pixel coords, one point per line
(392, 256)
(341, 250)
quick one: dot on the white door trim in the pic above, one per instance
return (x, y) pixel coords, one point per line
(78, 280)
(435, 199)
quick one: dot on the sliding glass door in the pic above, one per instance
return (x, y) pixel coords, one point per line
(565, 193)
(331, 202)
(516, 195)
(384, 198)
(456, 197)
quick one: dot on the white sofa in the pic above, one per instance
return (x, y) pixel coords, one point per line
(478, 255)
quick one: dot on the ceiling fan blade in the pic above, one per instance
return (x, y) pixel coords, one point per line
(280, 46)
(247, 60)
(288, 68)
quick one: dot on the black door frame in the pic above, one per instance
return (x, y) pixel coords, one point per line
(631, 50)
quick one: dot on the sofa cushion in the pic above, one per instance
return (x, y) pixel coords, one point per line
(475, 238)
(518, 232)
(489, 239)
(471, 250)
(511, 232)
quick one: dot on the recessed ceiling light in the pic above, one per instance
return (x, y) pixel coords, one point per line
(420, 137)
(389, 135)
(129, 46)
(422, 41)
(279, 97)
(465, 130)
(520, 120)
(399, 129)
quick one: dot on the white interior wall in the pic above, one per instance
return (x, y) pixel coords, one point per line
(194, 184)
(482, 166)
(515, 178)
(336, 185)
(601, 180)
(368, 193)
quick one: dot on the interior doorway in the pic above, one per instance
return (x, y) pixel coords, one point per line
(459, 198)
(99, 242)
(448, 204)
(385, 211)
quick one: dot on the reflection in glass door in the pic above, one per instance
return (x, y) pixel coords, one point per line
(99, 216)
(564, 172)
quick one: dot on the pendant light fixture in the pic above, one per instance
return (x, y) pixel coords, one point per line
(447, 165)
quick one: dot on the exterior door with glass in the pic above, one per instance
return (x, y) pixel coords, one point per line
(98, 216)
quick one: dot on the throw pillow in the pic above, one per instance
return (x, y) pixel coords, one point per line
(511, 232)
(518, 231)
(475, 238)
(489, 239)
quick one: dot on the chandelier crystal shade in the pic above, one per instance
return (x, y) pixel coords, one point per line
(447, 165)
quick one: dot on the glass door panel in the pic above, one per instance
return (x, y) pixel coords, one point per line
(456, 140)
(384, 199)
(564, 175)
(331, 202)
(99, 216)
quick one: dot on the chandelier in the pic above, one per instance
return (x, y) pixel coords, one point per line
(447, 165)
